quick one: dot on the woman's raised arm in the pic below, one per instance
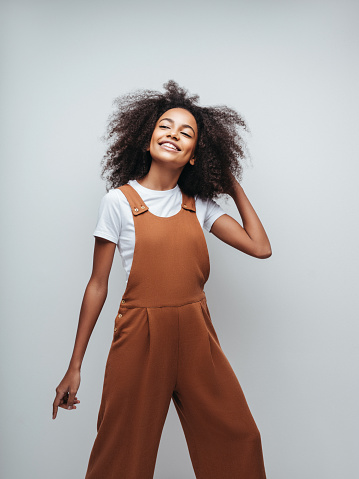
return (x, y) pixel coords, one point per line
(92, 303)
(251, 238)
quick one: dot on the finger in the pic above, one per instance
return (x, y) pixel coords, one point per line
(71, 399)
(64, 405)
(57, 402)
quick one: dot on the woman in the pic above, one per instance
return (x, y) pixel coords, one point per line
(168, 158)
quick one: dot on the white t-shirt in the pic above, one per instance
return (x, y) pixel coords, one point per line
(115, 219)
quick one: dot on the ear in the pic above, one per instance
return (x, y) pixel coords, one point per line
(192, 160)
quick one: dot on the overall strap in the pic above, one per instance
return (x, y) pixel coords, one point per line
(137, 204)
(188, 202)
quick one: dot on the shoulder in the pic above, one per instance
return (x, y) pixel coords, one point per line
(114, 199)
(208, 211)
(206, 204)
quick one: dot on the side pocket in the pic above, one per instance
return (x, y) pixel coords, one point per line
(205, 307)
(210, 326)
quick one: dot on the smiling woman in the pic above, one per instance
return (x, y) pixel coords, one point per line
(217, 132)
(168, 157)
(172, 135)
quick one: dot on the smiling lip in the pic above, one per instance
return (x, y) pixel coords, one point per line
(168, 148)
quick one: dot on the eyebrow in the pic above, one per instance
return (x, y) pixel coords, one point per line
(182, 126)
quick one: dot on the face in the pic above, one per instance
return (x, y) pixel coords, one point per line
(174, 138)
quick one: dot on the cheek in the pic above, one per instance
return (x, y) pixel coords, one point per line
(193, 148)
(152, 141)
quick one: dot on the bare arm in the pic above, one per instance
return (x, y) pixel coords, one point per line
(92, 303)
(250, 238)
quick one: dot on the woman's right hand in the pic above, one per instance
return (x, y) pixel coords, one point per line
(66, 392)
(92, 303)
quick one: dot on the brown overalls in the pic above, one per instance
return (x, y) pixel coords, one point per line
(165, 346)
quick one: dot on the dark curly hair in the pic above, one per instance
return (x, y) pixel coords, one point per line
(219, 151)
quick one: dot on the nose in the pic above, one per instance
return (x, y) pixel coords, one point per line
(173, 134)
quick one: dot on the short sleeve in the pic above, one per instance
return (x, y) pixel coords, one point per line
(213, 211)
(109, 217)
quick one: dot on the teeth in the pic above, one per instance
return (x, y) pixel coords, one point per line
(169, 145)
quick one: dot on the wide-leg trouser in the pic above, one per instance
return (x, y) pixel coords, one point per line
(163, 353)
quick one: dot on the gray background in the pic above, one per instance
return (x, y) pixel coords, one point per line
(287, 324)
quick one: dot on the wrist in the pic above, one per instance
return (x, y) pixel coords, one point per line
(74, 366)
(236, 188)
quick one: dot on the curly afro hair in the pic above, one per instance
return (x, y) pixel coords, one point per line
(219, 151)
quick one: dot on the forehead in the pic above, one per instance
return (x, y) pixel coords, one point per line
(180, 115)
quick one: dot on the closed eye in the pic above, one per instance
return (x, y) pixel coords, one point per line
(183, 133)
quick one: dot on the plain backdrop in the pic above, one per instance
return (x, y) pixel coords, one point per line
(288, 324)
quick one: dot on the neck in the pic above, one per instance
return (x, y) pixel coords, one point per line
(160, 179)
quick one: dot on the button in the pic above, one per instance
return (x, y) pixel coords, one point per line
(120, 315)
(115, 329)
(143, 207)
(123, 301)
(136, 209)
